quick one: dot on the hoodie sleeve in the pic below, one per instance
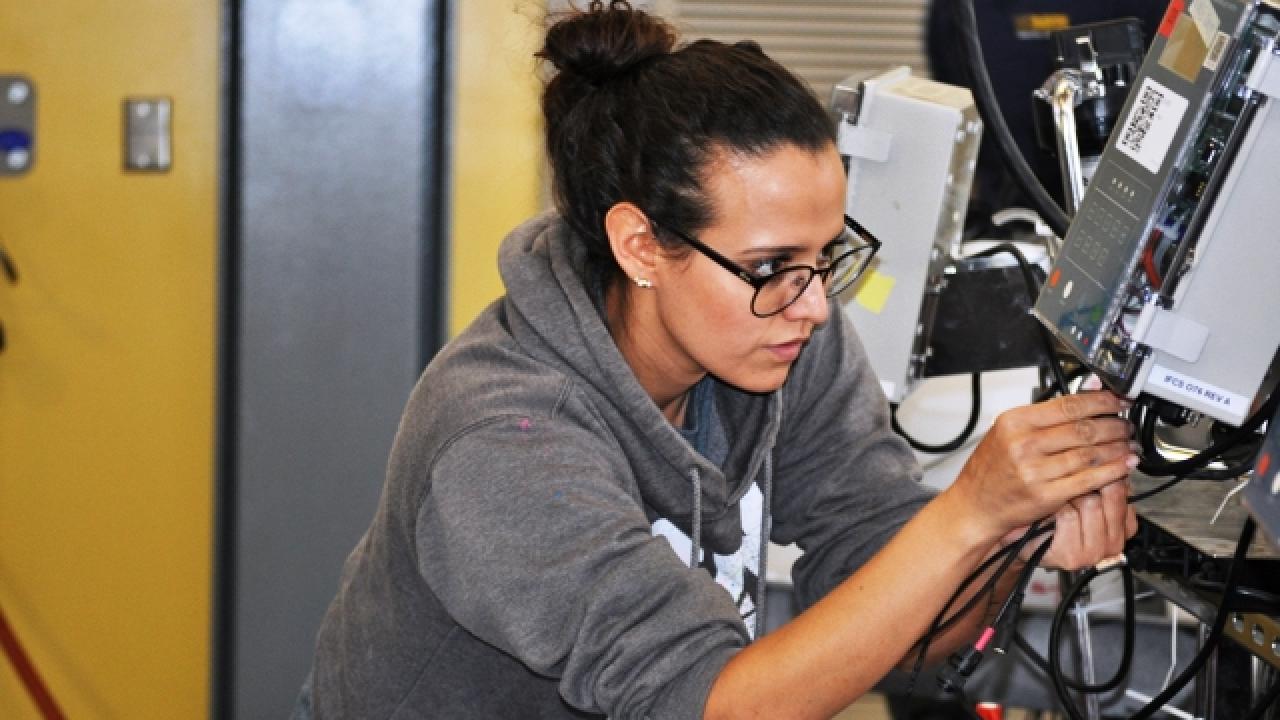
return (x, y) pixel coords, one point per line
(531, 536)
(844, 481)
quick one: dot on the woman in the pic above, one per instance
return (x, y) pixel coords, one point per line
(584, 481)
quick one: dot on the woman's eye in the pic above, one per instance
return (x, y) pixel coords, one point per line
(764, 268)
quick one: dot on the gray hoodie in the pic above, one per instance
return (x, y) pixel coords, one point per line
(511, 571)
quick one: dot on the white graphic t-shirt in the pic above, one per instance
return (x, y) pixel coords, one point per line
(736, 573)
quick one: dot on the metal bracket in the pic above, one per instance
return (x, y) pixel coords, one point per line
(864, 142)
(148, 134)
(1169, 332)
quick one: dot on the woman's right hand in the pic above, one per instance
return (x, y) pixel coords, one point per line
(1038, 458)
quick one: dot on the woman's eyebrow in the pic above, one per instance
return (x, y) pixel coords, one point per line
(774, 250)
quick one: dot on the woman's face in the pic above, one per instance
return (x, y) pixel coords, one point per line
(772, 211)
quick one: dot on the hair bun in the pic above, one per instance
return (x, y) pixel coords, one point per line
(601, 43)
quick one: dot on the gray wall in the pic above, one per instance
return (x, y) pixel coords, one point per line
(331, 307)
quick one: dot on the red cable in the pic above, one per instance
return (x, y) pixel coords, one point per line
(1149, 260)
(27, 672)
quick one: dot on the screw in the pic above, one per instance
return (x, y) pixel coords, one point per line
(18, 92)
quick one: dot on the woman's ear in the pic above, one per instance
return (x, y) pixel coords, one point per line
(631, 238)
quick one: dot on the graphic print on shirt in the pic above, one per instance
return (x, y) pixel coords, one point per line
(736, 573)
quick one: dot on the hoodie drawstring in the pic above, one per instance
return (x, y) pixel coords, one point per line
(766, 529)
(695, 554)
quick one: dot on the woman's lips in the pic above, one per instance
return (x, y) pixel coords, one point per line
(788, 351)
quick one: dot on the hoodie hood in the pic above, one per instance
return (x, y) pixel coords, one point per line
(551, 312)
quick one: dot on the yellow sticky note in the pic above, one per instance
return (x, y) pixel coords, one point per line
(874, 291)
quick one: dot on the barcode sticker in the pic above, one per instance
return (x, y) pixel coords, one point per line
(1153, 120)
(1216, 51)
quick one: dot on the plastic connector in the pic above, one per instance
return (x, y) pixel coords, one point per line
(952, 677)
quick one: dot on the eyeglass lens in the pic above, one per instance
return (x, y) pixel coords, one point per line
(788, 285)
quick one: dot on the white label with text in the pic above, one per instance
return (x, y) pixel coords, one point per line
(1233, 404)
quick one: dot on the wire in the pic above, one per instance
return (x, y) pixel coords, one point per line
(989, 108)
(1161, 467)
(958, 441)
(1008, 612)
(1215, 633)
(1054, 389)
(1156, 490)
(1149, 260)
(1060, 680)
(1229, 592)
(1229, 471)
(1005, 556)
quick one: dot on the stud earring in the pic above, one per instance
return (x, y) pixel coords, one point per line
(643, 283)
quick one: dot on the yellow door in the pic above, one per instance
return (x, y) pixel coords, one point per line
(107, 380)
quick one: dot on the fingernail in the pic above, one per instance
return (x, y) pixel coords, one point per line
(1136, 448)
(1093, 382)
(1132, 461)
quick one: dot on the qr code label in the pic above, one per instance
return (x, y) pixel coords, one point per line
(1153, 120)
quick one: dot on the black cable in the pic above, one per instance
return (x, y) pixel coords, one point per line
(1036, 658)
(1005, 556)
(1157, 468)
(955, 674)
(1010, 553)
(1060, 682)
(1156, 490)
(1054, 389)
(1228, 472)
(1215, 632)
(1264, 597)
(954, 444)
(1054, 667)
(1008, 612)
(984, 96)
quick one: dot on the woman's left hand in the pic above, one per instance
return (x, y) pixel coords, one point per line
(1087, 530)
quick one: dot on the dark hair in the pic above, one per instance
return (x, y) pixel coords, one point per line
(631, 118)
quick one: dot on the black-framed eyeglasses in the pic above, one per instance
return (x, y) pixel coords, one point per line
(851, 254)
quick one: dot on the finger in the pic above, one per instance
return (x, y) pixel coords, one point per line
(1065, 550)
(1093, 527)
(1073, 461)
(1131, 522)
(1070, 408)
(1115, 509)
(1089, 479)
(1087, 431)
